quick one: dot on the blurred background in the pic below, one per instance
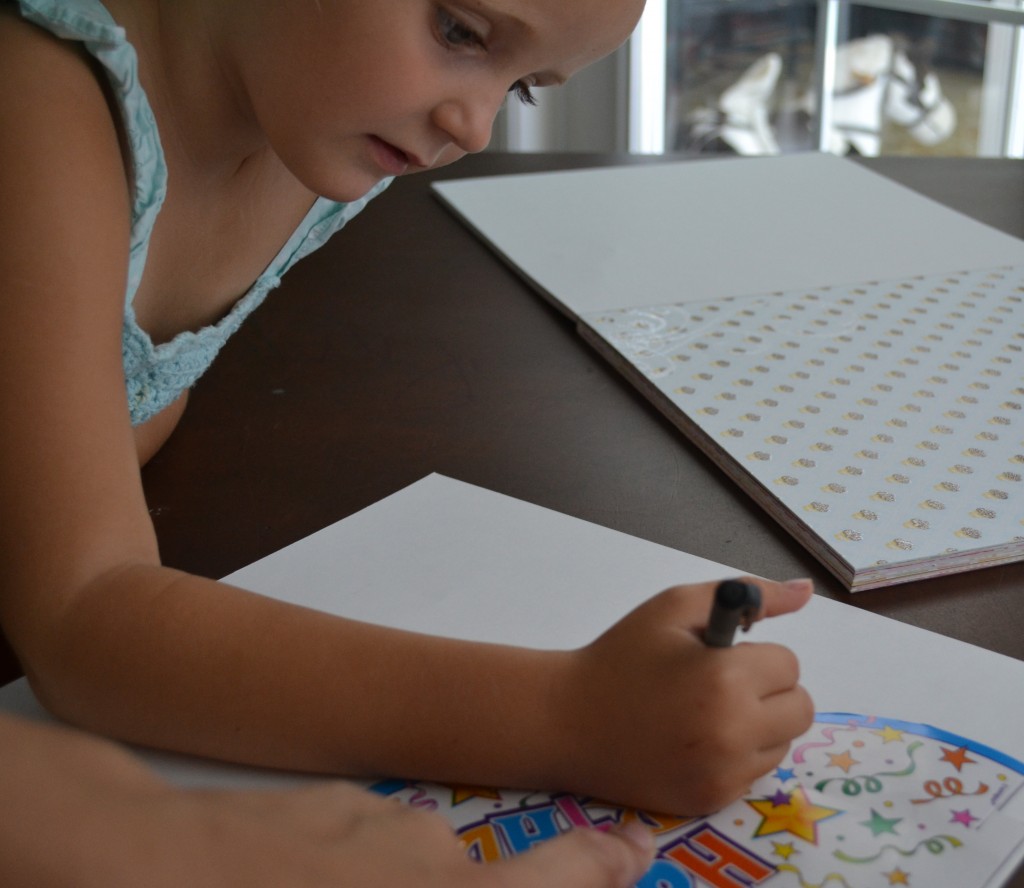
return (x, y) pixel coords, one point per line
(907, 77)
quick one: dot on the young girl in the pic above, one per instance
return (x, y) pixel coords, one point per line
(157, 177)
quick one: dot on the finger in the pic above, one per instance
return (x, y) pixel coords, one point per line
(782, 598)
(788, 715)
(765, 761)
(769, 668)
(688, 606)
(785, 597)
(585, 858)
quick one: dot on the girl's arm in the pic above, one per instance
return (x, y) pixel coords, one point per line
(133, 829)
(112, 640)
(109, 638)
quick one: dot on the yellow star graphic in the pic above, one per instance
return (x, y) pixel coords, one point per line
(842, 760)
(462, 794)
(785, 850)
(799, 816)
(888, 734)
(897, 877)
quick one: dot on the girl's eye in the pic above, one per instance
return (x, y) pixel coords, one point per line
(523, 93)
(455, 34)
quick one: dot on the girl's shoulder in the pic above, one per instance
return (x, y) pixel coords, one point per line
(35, 59)
(56, 123)
(69, 19)
(52, 84)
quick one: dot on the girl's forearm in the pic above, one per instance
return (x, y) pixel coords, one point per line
(169, 660)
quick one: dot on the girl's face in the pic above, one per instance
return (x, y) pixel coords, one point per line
(348, 92)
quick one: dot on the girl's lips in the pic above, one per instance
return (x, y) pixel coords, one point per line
(390, 159)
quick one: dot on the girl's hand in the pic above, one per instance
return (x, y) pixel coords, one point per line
(337, 834)
(650, 716)
(81, 811)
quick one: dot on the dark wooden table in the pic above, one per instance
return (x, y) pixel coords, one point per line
(405, 347)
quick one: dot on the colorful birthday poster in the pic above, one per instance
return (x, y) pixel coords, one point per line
(859, 802)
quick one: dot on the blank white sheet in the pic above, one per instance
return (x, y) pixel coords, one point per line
(630, 236)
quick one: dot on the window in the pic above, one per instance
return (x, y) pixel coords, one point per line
(925, 77)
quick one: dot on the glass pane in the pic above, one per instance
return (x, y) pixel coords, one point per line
(738, 73)
(741, 79)
(908, 84)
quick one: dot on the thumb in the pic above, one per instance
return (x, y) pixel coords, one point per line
(585, 858)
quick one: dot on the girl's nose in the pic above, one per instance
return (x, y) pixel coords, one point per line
(468, 121)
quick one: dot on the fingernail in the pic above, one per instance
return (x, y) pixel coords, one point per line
(637, 834)
(801, 585)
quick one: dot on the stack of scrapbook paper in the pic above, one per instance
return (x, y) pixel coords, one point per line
(869, 394)
(882, 423)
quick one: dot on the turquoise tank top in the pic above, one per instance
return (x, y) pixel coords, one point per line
(155, 375)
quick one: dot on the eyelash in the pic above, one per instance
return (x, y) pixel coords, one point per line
(523, 93)
(454, 35)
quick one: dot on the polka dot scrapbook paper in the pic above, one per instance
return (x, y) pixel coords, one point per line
(858, 802)
(882, 424)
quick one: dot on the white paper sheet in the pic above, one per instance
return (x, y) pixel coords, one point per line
(449, 558)
(625, 237)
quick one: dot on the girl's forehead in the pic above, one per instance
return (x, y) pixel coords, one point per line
(579, 31)
(614, 17)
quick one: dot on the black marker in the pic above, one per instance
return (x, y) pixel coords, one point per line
(735, 603)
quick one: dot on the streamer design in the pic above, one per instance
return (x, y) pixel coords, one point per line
(860, 802)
